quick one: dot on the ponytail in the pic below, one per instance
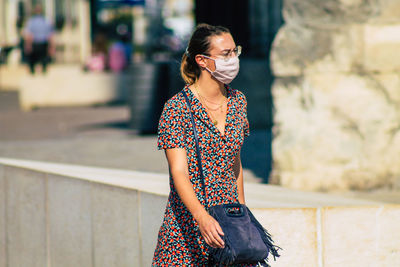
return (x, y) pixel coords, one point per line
(190, 72)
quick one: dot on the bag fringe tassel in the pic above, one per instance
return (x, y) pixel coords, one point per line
(266, 238)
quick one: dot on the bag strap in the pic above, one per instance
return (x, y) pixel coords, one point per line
(196, 137)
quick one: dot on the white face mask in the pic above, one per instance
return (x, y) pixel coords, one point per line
(225, 71)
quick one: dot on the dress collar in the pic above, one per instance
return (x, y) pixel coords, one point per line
(200, 112)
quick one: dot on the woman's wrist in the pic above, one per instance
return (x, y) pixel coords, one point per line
(197, 215)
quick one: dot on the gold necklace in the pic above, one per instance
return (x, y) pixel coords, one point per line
(213, 109)
(215, 122)
(212, 101)
(202, 97)
(219, 105)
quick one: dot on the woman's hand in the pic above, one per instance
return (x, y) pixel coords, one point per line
(211, 231)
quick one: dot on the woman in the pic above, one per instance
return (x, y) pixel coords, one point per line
(220, 113)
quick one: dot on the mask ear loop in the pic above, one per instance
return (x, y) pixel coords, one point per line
(214, 63)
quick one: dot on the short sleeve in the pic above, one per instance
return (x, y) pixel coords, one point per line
(246, 126)
(171, 132)
(28, 27)
(50, 28)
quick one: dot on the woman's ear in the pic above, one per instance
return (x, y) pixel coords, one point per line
(201, 61)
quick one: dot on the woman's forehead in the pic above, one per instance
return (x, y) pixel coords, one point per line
(222, 42)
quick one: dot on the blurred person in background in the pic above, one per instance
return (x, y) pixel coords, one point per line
(117, 58)
(38, 40)
(120, 51)
(98, 58)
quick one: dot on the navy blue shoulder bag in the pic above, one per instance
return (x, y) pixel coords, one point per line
(246, 240)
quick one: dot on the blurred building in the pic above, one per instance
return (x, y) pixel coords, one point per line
(69, 17)
(154, 26)
(253, 23)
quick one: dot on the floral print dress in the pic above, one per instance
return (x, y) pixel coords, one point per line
(179, 239)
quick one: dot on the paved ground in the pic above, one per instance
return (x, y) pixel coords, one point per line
(99, 136)
(95, 136)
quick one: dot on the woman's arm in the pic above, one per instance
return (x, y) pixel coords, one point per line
(178, 167)
(238, 170)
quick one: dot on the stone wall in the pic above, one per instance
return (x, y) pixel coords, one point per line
(337, 95)
(70, 215)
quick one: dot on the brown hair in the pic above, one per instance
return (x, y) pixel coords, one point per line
(199, 44)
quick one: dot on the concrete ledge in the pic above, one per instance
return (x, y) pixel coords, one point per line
(69, 85)
(257, 195)
(11, 75)
(86, 216)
